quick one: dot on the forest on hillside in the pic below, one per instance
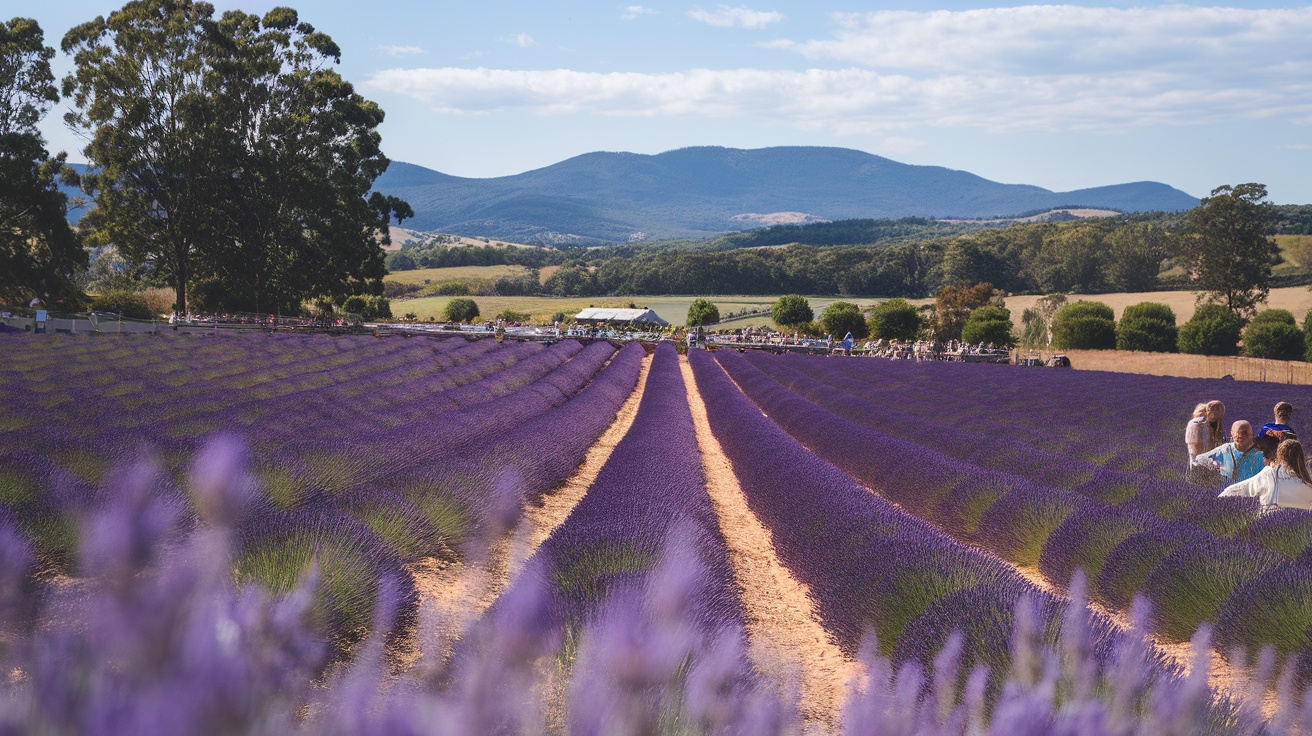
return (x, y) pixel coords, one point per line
(910, 257)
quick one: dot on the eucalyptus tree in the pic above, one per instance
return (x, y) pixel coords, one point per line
(226, 149)
(38, 250)
(1228, 250)
(299, 218)
(145, 101)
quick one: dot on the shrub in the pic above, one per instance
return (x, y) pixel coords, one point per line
(791, 310)
(894, 319)
(1274, 334)
(510, 315)
(1276, 316)
(1084, 326)
(1213, 330)
(840, 318)
(702, 312)
(355, 305)
(989, 325)
(126, 303)
(1148, 327)
(460, 310)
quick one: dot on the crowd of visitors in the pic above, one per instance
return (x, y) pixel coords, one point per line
(1268, 465)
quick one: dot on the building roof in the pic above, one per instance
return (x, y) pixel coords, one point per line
(602, 314)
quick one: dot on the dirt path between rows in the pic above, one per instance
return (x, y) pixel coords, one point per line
(786, 643)
(452, 595)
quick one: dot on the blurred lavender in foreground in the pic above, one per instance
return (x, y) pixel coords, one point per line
(157, 640)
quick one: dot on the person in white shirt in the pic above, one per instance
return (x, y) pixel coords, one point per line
(1284, 484)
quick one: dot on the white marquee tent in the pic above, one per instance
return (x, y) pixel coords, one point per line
(603, 314)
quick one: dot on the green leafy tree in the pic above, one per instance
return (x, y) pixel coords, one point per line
(1147, 326)
(1213, 330)
(1274, 334)
(702, 312)
(1072, 258)
(572, 280)
(1135, 252)
(1084, 326)
(39, 252)
(145, 99)
(460, 310)
(1307, 335)
(989, 324)
(1228, 251)
(954, 304)
(791, 310)
(228, 149)
(894, 319)
(840, 318)
(303, 151)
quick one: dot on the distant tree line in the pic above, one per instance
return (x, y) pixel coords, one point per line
(911, 259)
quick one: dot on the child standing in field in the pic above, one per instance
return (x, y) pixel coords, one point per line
(1284, 411)
(1285, 484)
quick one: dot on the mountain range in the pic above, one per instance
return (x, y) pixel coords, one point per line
(699, 192)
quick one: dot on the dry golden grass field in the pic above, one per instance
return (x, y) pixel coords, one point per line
(454, 273)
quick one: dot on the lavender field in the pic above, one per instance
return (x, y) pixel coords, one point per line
(290, 533)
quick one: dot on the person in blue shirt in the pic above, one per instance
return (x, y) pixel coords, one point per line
(1280, 427)
(1237, 460)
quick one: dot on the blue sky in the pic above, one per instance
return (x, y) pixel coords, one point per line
(1061, 96)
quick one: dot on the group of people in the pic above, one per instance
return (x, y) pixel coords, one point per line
(1268, 464)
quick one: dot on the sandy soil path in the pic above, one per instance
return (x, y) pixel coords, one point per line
(452, 595)
(786, 643)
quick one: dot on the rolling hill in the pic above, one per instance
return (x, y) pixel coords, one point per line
(699, 192)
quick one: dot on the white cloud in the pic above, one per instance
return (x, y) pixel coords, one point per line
(1036, 68)
(864, 101)
(903, 144)
(401, 50)
(1064, 39)
(633, 12)
(522, 40)
(727, 17)
(1297, 146)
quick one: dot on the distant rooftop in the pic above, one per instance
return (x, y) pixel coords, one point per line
(601, 314)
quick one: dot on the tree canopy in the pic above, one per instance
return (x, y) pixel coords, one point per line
(1228, 250)
(702, 312)
(228, 149)
(39, 252)
(791, 310)
(894, 319)
(954, 304)
(840, 318)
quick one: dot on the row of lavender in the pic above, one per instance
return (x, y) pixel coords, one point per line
(1118, 421)
(633, 597)
(158, 639)
(657, 637)
(326, 495)
(1190, 572)
(638, 577)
